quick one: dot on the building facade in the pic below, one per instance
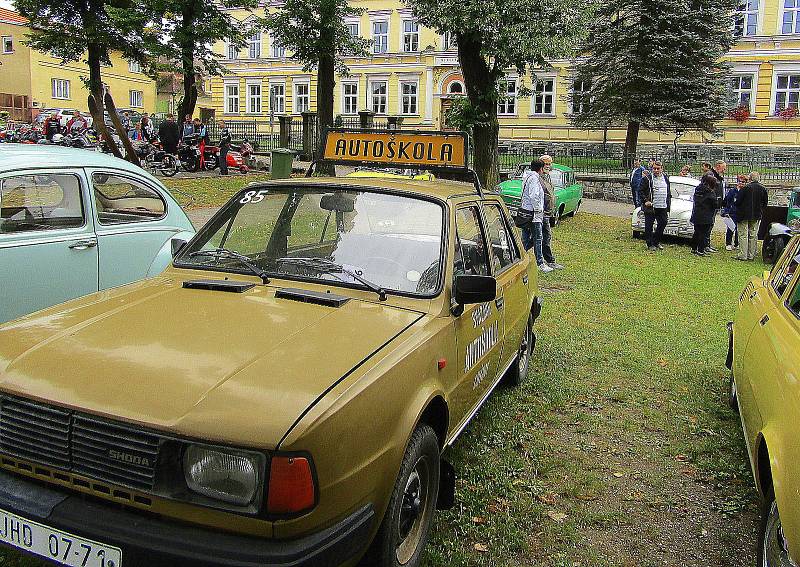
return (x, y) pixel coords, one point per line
(413, 72)
(33, 81)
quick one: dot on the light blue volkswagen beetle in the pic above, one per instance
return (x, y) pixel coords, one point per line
(73, 222)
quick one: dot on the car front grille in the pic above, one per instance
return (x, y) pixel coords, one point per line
(78, 443)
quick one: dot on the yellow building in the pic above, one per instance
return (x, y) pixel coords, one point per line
(42, 81)
(413, 72)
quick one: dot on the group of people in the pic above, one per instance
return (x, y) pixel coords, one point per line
(743, 203)
(536, 210)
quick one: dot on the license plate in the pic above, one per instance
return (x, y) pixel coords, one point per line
(56, 545)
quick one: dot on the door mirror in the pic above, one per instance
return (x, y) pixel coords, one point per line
(470, 289)
(177, 245)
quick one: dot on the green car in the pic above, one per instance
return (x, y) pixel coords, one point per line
(569, 193)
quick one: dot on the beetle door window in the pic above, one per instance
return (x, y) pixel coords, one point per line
(504, 252)
(121, 200)
(782, 277)
(471, 254)
(31, 203)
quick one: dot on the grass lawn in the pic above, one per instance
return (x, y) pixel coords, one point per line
(620, 448)
(212, 191)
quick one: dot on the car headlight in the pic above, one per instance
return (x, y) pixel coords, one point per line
(794, 224)
(223, 474)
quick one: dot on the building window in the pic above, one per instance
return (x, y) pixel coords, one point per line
(349, 98)
(455, 88)
(448, 41)
(136, 99)
(232, 99)
(410, 36)
(8, 44)
(378, 91)
(580, 96)
(278, 51)
(233, 51)
(380, 37)
(254, 98)
(791, 16)
(134, 67)
(255, 46)
(409, 91)
(745, 20)
(543, 97)
(353, 30)
(60, 88)
(302, 97)
(277, 98)
(507, 103)
(742, 91)
(787, 92)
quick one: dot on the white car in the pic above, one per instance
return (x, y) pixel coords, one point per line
(682, 189)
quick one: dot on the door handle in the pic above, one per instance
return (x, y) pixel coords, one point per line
(764, 320)
(499, 302)
(83, 244)
(525, 279)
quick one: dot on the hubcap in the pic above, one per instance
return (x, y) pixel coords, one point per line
(412, 512)
(776, 552)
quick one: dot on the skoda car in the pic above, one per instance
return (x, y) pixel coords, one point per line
(680, 210)
(568, 192)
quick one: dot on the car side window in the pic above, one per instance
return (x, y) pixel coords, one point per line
(48, 201)
(504, 252)
(121, 200)
(471, 254)
(785, 269)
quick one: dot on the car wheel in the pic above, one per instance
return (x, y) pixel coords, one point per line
(519, 370)
(733, 400)
(406, 524)
(169, 166)
(773, 550)
(575, 212)
(777, 249)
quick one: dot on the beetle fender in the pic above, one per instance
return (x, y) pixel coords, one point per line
(164, 256)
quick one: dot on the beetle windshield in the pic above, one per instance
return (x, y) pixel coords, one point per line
(353, 238)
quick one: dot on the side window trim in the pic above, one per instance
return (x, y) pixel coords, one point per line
(780, 269)
(515, 253)
(481, 226)
(83, 192)
(132, 179)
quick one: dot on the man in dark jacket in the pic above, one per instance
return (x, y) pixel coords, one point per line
(169, 135)
(224, 147)
(750, 204)
(655, 196)
(636, 179)
(704, 209)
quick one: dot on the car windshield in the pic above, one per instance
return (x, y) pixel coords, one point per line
(352, 238)
(682, 191)
(556, 175)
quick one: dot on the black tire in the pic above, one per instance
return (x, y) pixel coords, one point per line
(780, 245)
(772, 549)
(413, 499)
(169, 166)
(637, 234)
(212, 163)
(575, 212)
(192, 164)
(519, 369)
(733, 400)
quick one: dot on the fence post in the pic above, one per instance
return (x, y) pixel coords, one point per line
(285, 123)
(365, 119)
(394, 122)
(309, 133)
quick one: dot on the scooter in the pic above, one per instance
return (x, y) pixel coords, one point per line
(235, 160)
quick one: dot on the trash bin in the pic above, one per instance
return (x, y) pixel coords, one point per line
(281, 163)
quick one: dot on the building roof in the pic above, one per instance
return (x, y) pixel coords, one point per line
(11, 17)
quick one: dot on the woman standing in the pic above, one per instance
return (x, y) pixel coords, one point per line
(703, 212)
(729, 211)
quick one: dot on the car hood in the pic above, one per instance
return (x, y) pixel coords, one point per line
(511, 188)
(221, 366)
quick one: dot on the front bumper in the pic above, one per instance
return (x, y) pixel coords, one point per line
(152, 541)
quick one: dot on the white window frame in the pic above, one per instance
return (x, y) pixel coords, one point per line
(231, 51)
(795, 18)
(60, 89)
(412, 97)
(254, 46)
(351, 97)
(572, 92)
(297, 107)
(276, 50)
(448, 41)
(412, 35)
(744, 15)
(136, 98)
(541, 79)
(372, 96)
(279, 106)
(8, 38)
(384, 36)
(357, 23)
(777, 74)
(231, 101)
(509, 106)
(254, 102)
(460, 84)
(134, 67)
(738, 91)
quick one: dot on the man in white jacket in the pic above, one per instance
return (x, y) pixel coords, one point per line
(533, 200)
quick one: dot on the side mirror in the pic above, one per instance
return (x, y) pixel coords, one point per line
(177, 245)
(474, 289)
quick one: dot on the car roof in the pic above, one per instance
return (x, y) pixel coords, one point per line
(686, 180)
(441, 188)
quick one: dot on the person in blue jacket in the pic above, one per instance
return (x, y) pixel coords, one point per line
(636, 179)
(729, 210)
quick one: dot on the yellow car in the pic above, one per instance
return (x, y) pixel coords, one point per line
(282, 395)
(394, 174)
(763, 358)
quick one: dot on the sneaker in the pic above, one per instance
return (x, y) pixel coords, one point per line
(652, 249)
(729, 248)
(710, 250)
(698, 253)
(545, 268)
(555, 265)
(659, 247)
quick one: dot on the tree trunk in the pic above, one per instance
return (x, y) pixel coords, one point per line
(97, 106)
(130, 152)
(326, 77)
(631, 143)
(187, 61)
(481, 84)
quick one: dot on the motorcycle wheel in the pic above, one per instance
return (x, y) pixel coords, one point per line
(169, 167)
(192, 164)
(212, 162)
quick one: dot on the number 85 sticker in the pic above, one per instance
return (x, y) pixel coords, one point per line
(253, 197)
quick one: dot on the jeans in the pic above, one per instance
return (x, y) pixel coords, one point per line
(702, 235)
(547, 235)
(732, 237)
(635, 195)
(748, 234)
(223, 160)
(532, 238)
(659, 218)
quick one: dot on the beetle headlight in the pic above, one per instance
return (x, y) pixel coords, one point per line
(223, 474)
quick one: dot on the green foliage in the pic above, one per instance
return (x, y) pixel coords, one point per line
(656, 62)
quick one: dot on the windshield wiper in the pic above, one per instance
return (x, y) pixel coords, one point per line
(244, 260)
(330, 267)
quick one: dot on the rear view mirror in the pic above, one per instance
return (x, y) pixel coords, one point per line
(177, 245)
(468, 289)
(338, 203)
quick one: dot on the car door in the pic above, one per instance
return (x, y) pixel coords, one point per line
(48, 248)
(129, 214)
(478, 328)
(512, 280)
